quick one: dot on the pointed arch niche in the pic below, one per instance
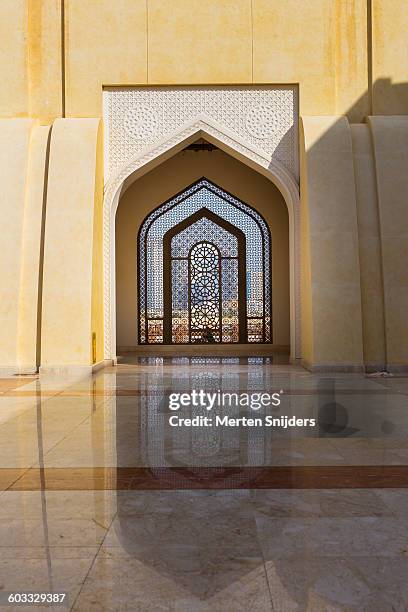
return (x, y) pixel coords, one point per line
(163, 152)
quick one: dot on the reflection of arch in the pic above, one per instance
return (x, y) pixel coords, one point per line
(205, 213)
(153, 156)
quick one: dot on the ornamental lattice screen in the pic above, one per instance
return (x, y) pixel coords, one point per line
(204, 271)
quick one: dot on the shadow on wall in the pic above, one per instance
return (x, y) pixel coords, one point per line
(354, 225)
(389, 98)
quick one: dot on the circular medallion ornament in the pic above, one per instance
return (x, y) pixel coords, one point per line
(140, 122)
(260, 122)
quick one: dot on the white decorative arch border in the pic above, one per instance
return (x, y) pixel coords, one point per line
(201, 127)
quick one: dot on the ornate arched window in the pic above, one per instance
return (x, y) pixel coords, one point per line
(204, 270)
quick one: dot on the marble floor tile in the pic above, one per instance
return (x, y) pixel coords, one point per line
(14, 454)
(10, 475)
(35, 570)
(334, 536)
(98, 506)
(183, 582)
(14, 382)
(218, 504)
(12, 407)
(318, 584)
(396, 384)
(367, 443)
(84, 446)
(305, 452)
(340, 584)
(374, 456)
(70, 532)
(395, 499)
(343, 584)
(387, 582)
(237, 531)
(320, 503)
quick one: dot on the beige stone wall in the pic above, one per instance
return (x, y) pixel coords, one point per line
(165, 181)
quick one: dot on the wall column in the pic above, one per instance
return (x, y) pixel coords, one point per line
(29, 307)
(74, 203)
(15, 137)
(331, 296)
(390, 142)
(372, 296)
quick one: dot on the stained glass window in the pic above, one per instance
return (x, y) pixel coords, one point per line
(204, 270)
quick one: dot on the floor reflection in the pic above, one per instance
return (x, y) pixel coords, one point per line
(345, 409)
(103, 499)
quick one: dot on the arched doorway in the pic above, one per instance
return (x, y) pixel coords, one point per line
(124, 187)
(204, 270)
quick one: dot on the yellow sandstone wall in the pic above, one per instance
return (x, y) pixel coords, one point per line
(13, 58)
(390, 57)
(322, 47)
(327, 46)
(44, 60)
(105, 44)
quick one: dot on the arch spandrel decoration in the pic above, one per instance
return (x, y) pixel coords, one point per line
(264, 116)
(183, 298)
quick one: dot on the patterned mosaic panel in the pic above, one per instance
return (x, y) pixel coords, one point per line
(205, 293)
(255, 293)
(179, 282)
(204, 194)
(229, 281)
(182, 242)
(155, 331)
(200, 196)
(255, 330)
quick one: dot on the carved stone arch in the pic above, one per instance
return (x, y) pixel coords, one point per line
(153, 156)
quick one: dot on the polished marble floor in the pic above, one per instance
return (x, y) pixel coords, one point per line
(102, 499)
